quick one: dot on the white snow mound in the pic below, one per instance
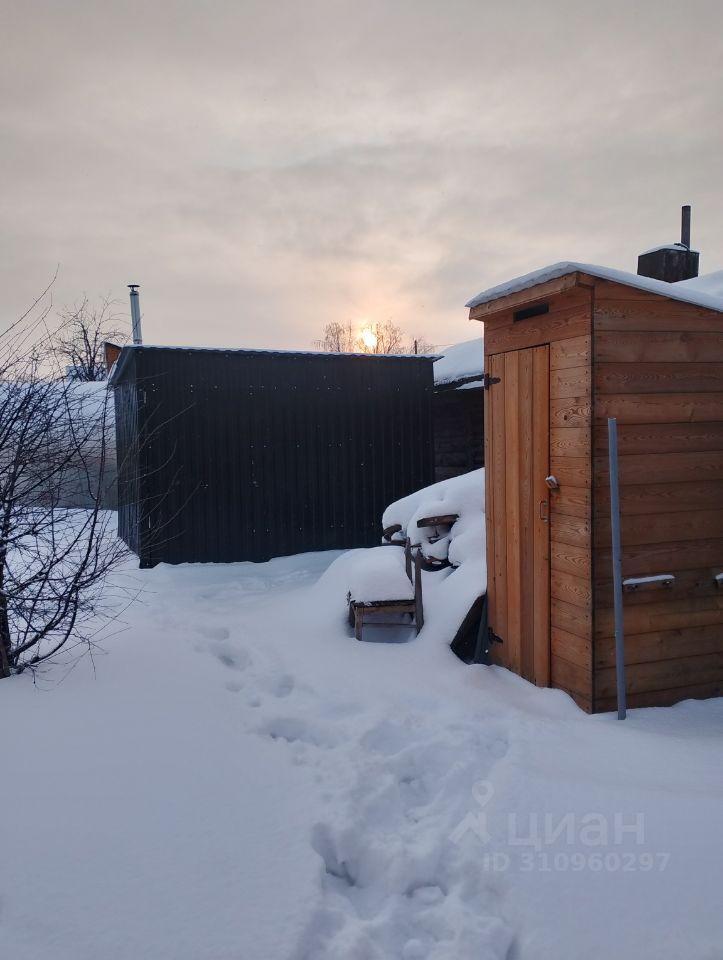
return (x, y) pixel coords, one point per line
(379, 574)
(459, 361)
(710, 284)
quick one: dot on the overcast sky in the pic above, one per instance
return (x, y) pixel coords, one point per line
(261, 168)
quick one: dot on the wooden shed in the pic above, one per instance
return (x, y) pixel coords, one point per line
(566, 348)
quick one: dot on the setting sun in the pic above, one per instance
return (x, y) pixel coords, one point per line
(369, 338)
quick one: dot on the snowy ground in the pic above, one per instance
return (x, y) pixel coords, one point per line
(240, 779)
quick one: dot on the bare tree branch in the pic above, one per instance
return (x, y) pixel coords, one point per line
(54, 435)
(85, 328)
(385, 337)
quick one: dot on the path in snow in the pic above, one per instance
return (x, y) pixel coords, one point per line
(244, 780)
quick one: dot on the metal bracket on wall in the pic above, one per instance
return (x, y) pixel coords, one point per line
(490, 638)
(488, 381)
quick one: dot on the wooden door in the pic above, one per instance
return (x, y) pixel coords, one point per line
(517, 461)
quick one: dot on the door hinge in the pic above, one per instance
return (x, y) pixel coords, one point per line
(492, 636)
(488, 381)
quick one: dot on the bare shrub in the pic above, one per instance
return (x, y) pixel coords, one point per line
(54, 559)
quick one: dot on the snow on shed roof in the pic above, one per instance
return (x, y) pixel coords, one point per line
(675, 291)
(459, 361)
(710, 283)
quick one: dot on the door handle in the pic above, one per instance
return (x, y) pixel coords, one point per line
(544, 510)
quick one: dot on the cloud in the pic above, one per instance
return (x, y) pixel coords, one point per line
(262, 168)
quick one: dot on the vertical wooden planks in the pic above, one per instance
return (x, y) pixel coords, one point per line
(539, 421)
(517, 434)
(570, 513)
(511, 381)
(540, 499)
(527, 518)
(496, 504)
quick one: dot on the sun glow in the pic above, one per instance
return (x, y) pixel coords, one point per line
(369, 338)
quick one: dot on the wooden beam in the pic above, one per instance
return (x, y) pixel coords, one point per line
(530, 295)
(443, 520)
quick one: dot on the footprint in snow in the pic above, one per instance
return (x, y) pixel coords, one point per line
(281, 687)
(214, 633)
(426, 893)
(293, 730)
(231, 656)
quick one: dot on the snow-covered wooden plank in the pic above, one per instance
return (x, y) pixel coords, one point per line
(444, 520)
(657, 580)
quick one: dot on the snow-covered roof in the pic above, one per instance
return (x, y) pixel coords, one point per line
(460, 361)
(709, 283)
(675, 291)
(274, 350)
(128, 348)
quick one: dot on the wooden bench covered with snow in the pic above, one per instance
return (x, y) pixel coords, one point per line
(382, 594)
(442, 529)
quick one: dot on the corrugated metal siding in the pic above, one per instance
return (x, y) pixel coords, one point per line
(126, 428)
(246, 456)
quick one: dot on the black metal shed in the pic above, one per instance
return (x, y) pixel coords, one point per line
(249, 454)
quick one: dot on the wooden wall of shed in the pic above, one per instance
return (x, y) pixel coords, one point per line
(658, 368)
(458, 431)
(567, 327)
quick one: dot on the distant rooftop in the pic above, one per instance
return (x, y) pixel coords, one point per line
(460, 362)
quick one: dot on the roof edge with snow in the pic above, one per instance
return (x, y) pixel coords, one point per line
(130, 348)
(556, 270)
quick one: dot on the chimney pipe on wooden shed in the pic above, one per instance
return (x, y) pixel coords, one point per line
(673, 261)
(685, 226)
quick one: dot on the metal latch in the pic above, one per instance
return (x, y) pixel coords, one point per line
(488, 381)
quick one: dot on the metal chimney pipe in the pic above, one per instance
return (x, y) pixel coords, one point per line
(135, 313)
(685, 226)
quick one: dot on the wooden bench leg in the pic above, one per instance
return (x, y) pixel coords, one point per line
(358, 622)
(418, 601)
